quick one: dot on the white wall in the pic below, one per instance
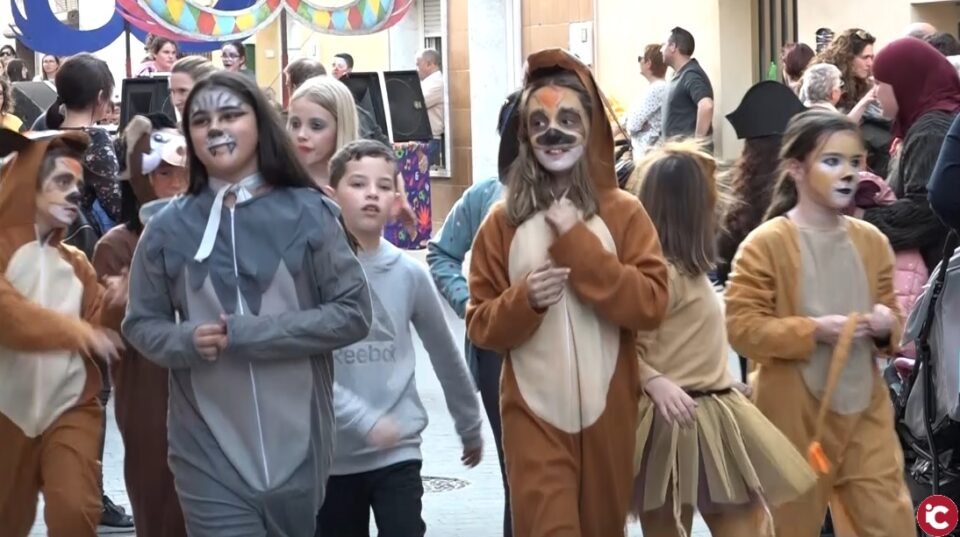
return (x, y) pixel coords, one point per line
(489, 81)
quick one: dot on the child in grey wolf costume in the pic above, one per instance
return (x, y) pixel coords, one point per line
(243, 287)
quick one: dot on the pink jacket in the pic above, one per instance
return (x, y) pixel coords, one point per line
(910, 271)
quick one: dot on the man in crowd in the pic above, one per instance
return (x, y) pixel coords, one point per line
(431, 83)
(688, 111)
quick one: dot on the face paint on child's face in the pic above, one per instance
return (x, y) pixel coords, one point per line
(223, 129)
(58, 198)
(832, 173)
(557, 125)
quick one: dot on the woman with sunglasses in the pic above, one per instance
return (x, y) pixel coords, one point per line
(7, 53)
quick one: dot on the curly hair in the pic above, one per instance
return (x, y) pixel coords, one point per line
(6, 89)
(841, 52)
(751, 181)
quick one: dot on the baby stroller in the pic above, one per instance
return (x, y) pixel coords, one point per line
(927, 406)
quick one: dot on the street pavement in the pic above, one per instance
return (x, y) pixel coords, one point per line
(458, 502)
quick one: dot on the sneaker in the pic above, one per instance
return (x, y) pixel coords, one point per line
(114, 519)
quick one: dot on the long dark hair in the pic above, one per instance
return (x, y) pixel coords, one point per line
(81, 81)
(805, 133)
(277, 161)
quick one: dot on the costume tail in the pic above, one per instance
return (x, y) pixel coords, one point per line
(841, 352)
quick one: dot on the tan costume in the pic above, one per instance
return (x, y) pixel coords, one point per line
(782, 276)
(50, 417)
(569, 387)
(141, 386)
(733, 460)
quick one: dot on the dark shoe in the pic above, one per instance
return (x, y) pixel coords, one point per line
(114, 519)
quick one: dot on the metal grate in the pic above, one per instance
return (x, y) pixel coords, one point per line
(432, 19)
(433, 484)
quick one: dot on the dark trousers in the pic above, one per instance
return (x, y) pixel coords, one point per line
(395, 493)
(103, 396)
(488, 380)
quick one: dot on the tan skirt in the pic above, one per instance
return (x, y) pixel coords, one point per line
(732, 456)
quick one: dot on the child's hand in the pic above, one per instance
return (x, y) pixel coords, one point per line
(103, 343)
(563, 215)
(210, 340)
(671, 401)
(117, 287)
(385, 434)
(472, 456)
(880, 321)
(546, 285)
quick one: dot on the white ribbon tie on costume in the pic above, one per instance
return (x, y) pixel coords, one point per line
(242, 190)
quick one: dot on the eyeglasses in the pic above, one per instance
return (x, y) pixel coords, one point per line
(5, 53)
(228, 55)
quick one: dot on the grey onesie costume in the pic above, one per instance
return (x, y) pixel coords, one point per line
(250, 434)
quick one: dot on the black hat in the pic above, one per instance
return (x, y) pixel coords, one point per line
(765, 110)
(508, 127)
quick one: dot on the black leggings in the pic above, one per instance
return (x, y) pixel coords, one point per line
(488, 379)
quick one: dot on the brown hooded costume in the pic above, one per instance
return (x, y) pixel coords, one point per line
(570, 382)
(50, 417)
(141, 386)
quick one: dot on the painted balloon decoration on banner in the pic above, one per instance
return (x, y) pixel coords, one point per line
(195, 27)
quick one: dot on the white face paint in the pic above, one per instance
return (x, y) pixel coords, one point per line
(833, 172)
(223, 130)
(557, 160)
(557, 123)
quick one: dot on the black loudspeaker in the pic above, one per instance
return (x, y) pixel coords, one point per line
(30, 99)
(408, 112)
(147, 95)
(368, 95)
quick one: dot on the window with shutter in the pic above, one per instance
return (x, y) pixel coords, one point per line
(432, 22)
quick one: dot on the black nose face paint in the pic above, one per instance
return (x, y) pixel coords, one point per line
(218, 140)
(554, 137)
(74, 197)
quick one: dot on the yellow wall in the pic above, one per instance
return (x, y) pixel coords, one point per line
(370, 52)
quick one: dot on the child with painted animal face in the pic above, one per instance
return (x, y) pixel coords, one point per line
(54, 309)
(811, 300)
(701, 445)
(380, 418)
(243, 288)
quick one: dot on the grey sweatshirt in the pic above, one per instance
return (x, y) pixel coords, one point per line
(375, 377)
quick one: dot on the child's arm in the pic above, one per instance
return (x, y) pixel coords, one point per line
(28, 326)
(149, 324)
(351, 411)
(448, 362)
(753, 328)
(499, 314)
(445, 253)
(342, 319)
(631, 293)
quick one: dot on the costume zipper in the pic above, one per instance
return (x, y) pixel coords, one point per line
(253, 379)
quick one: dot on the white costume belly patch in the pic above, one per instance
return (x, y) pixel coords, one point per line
(564, 370)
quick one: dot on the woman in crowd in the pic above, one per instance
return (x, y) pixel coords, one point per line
(795, 62)
(7, 54)
(233, 55)
(183, 75)
(49, 66)
(7, 119)
(163, 54)
(322, 119)
(645, 117)
(920, 91)
(17, 71)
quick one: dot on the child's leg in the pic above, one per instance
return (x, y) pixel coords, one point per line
(19, 479)
(397, 500)
(662, 522)
(750, 520)
(70, 470)
(870, 482)
(346, 507)
(489, 365)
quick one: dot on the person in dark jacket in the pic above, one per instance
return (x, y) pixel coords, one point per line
(944, 187)
(920, 91)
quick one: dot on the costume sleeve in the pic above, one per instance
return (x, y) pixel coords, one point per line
(499, 314)
(944, 187)
(27, 326)
(351, 411)
(648, 342)
(343, 318)
(108, 263)
(887, 296)
(753, 327)
(631, 293)
(447, 361)
(150, 324)
(445, 253)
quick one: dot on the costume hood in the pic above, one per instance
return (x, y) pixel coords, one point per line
(147, 148)
(600, 145)
(18, 179)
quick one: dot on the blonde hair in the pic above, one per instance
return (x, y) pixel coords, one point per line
(334, 97)
(196, 67)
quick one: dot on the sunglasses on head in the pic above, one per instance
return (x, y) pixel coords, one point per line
(863, 35)
(6, 53)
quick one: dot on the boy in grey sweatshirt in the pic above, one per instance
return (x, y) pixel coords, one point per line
(379, 414)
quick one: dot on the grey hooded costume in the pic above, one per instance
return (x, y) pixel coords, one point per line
(250, 434)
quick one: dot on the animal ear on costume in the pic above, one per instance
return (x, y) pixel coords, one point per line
(137, 138)
(765, 110)
(13, 141)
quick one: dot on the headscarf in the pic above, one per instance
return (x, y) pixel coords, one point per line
(923, 80)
